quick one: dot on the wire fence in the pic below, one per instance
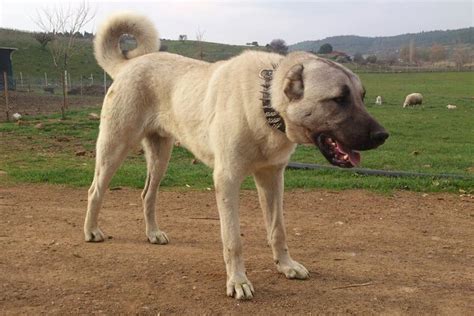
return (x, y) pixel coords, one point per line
(83, 84)
(51, 92)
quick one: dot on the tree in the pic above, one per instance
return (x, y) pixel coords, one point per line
(278, 46)
(163, 46)
(358, 58)
(199, 39)
(405, 53)
(372, 59)
(64, 25)
(437, 53)
(412, 51)
(325, 49)
(422, 54)
(390, 59)
(461, 57)
(43, 38)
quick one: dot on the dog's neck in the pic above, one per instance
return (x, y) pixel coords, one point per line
(274, 118)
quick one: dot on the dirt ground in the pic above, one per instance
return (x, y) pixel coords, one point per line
(405, 253)
(30, 103)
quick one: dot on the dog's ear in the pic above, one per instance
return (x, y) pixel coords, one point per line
(294, 86)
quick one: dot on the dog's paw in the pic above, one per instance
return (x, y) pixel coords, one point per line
(293, 270)
(240, 288)
(158, 237)
(95, 235)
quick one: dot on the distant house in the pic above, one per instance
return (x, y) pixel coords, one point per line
(6, 66)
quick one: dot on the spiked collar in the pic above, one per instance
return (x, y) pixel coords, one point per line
(273, 117)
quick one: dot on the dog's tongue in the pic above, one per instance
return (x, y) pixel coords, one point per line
(354, 156)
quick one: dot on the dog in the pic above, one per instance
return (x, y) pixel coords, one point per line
(243, 116)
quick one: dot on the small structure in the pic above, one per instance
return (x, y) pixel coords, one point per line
(6, 66)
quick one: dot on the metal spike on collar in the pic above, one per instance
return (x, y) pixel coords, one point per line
(272, 116)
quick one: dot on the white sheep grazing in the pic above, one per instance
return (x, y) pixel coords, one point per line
(451, 107)
(378, 100)
(413, 99)
(16, 116)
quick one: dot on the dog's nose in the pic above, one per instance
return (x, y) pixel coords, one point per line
(379, 136)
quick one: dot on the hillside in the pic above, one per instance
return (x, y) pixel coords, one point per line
(385, 45)
(33, 61)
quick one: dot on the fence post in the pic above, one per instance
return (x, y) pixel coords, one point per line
(45, 79)
(5, 89)
(21, 80)
(81, 83)
(65, 90)
(105, 83)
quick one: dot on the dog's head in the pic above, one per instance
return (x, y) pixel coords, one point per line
(322, 103)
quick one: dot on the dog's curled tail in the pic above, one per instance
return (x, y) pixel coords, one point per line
(107, 41)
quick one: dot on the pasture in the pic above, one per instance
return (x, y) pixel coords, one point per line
(428, 139)
(372, 244)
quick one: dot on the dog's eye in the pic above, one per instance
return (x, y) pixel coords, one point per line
(339, 100)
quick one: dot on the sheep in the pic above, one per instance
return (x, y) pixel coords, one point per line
(451, 107)
(378, 100)
(16, 116)
(413, 99)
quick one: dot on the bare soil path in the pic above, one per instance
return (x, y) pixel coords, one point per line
(407, 253)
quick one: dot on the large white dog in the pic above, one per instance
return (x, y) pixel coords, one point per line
(243, 116)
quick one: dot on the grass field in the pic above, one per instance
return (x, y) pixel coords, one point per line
(431, 139)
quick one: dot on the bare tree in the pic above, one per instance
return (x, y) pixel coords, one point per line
(461, 57)
(63, 24)
(199, 39)
(412, 51)
(437, 52)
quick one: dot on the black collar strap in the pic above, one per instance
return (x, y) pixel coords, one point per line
(273, 117)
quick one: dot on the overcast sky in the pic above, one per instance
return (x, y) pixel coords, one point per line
(239, 22)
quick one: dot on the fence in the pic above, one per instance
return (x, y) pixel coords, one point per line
(23, 92)
(82, 84)
(377, 68)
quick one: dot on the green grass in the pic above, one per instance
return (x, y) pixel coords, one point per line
(431, 139)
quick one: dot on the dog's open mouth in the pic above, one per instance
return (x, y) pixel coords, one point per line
(336, 153)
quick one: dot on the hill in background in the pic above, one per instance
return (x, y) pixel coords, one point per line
(33, 61)
(383, 46)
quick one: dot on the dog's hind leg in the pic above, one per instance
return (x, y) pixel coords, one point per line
(158, 152)
(113, 145)
(269, 183)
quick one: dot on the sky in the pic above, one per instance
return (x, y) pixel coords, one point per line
(240, 22)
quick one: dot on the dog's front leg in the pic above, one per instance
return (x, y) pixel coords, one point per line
(269, 183)
(227, 195)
